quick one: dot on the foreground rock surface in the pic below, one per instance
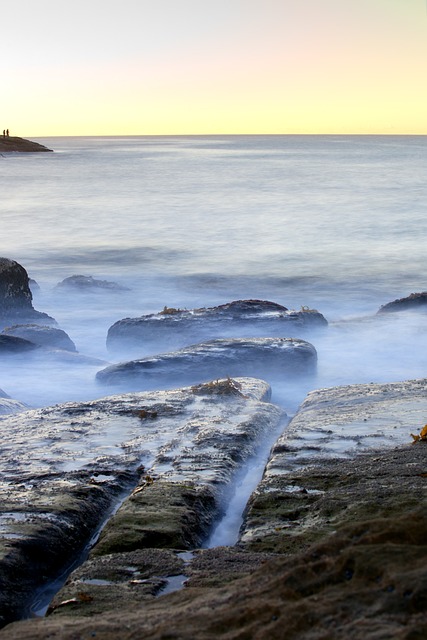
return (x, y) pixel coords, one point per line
(16, 298)
(332, 429)
(14, 143)
(265, 357)
(174, 328)
(345, 557)
(66, 467)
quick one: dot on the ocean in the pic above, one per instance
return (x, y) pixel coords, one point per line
(335, 223)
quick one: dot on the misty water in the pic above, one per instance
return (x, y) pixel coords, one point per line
(335, 223)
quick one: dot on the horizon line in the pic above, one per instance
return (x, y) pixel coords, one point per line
(206, 135)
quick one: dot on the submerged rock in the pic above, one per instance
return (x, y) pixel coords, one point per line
(88, 283)
(261, 357)
(42, 336)
(242, 318)
(16, 297)
(13, 344)
(415, 301)
(66, 467)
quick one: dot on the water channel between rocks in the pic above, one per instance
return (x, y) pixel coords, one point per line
(225, 531)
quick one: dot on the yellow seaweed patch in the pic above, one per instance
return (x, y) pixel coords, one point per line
(422, 436)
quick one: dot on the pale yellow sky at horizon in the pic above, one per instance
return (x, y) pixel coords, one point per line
(174, 67)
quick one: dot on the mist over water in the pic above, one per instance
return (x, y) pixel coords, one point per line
(335, 223)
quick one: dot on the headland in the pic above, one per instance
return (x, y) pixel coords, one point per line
(14, 143)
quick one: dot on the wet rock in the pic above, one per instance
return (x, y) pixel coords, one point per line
(42, 335)
(364, 581)
(344, 556)
(413, 302)
(66, 467)
(88, 283)
(16, 298)
(174, 328)
(261, 357)
(8, 405)
(12, 345)
(120, 580)
(322, 447)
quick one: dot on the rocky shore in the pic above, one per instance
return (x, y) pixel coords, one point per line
(107, 506)
(15, 144)
(332, 544)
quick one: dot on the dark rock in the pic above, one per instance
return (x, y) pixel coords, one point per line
(42, 335)
(12, 344)
(242, 318)
(34, 286)
(88, 283)
(15, 296)
(258, 357)
(13, 143)
(415, 301)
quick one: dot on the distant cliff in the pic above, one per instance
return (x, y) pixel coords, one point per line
(13, 143)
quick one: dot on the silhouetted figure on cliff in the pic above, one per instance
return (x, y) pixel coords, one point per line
(7, 132)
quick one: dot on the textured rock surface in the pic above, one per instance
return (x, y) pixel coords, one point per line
(332, 426)
(14, 143)
(15, 296)
(64, 468)
(334, 545)
(42, 335)
(415, 301)
(174, 328)
(264, 357)
(366, 580)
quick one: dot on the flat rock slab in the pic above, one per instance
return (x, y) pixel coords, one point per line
(219, 358)
(174, 328)
(65, 468)
(328, 435)
(364, 581)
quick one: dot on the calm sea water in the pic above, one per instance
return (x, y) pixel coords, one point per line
(337, 223)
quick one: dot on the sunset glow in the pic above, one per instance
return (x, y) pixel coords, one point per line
(199, 67)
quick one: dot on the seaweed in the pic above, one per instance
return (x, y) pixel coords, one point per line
(170, 311)
(226, 386)
(422, 437)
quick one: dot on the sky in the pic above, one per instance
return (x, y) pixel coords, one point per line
(176, 67)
